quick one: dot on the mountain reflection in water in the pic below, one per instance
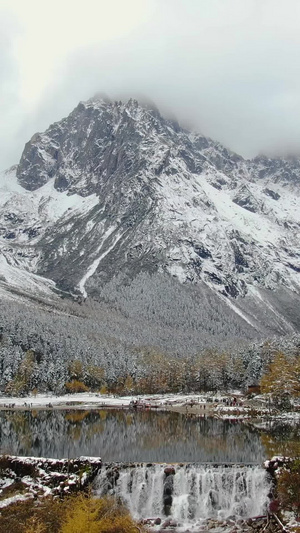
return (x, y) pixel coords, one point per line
(121, 435)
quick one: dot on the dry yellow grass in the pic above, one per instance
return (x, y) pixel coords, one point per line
(79, 513)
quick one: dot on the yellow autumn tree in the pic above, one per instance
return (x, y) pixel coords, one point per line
(281, 380)
(94, 376)
(76, 386)
(75, 369)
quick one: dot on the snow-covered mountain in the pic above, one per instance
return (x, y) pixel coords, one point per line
(115, 190)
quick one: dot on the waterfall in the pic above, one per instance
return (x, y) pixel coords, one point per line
(188, 492)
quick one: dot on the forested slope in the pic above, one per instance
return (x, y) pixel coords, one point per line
(101, 346)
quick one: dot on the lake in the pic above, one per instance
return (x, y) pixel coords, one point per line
(136, 436)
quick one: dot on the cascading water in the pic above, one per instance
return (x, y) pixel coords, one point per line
(188, 493)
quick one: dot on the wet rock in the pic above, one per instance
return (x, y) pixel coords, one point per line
(257, 525)
(169, 470)
(168, 485)
(168, 500)
(274, 506)
(170, 523)
(211, 526)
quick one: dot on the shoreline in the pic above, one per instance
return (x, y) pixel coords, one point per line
(78, 406)
(219, 406)
(95, 400)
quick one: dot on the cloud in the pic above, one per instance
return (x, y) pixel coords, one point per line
(227, 68)
(10, 109)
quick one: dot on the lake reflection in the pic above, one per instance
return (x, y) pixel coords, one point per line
(117, 435)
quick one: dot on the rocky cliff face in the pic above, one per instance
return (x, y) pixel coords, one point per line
(116, 188)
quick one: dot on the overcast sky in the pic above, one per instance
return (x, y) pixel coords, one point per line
(227, 68)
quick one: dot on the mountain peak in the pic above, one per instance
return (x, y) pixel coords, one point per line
(116, 187)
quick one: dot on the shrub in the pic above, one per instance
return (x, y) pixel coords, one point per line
(289, 487)
(80, 513)
(96, 516)
(76, 386)
(28, 516)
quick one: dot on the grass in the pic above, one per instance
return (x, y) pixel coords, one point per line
(80, 513)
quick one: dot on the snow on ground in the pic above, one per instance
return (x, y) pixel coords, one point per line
(197, 209)
(14, 499)
(44, 477)
(91, 399)
(9, 182)
(265, 230)
(38, 209)
(5, 482)
(238, 311)
(93, 267)
(221, 405)
(255, 225)
(44, 203)
(14, 277)
(257, 295)
(88, 399)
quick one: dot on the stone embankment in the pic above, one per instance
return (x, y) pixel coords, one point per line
(32, 477)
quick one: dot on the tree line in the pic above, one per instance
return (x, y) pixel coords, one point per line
(105, 346)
